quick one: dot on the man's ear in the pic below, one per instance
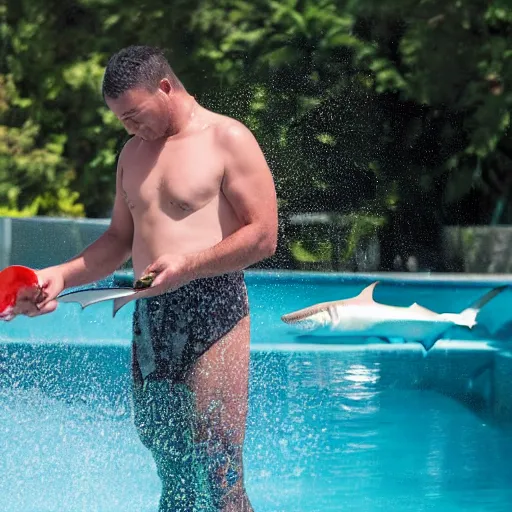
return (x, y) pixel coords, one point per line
(165, 86)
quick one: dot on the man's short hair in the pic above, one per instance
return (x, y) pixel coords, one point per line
(137, 66)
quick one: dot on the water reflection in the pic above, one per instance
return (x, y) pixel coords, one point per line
(364, 442)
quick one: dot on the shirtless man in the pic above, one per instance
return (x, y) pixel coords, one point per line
(195, 204)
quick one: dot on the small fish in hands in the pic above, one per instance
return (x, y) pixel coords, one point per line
(17, 283)
(144, 281)
(120, 295)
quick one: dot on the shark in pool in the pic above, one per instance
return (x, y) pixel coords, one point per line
(362, 316)
(358, 316)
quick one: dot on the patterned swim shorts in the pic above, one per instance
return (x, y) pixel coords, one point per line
(171, 331)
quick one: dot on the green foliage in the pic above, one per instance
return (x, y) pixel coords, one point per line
(361, 227)
(369, 104)
(455, 60)
(320, 252)
(52, 62)
(361, 106)
(34, 180)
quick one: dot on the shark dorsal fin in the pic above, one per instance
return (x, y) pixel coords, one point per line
(367, 293)
(416, 307)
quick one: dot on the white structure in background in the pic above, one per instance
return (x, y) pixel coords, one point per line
(38, 242)
(5, 241)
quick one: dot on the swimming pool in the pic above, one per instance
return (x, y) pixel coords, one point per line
(351, 426)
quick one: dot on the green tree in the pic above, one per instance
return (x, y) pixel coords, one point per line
(368, 107)
(51, 65)
(397, 108)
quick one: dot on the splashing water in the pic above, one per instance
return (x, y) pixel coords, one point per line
(325, 432)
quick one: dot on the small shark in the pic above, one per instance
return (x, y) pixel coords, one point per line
(89, 296)
(120, 295)
(363, 317)
(17, 279)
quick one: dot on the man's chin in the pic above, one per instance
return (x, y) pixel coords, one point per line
(150, 138)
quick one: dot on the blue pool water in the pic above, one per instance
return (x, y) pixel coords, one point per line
(330, 428)
(273, 294)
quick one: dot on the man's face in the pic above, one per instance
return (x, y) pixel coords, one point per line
(144, 114)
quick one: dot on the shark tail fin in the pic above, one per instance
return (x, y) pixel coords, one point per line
(482, 301)
(468, 316)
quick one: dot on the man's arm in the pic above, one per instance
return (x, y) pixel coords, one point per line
(249, 187)
(109, 251)
(98, 260)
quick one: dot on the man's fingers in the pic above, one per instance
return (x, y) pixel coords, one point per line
(149, 269)
(46, 300)
(34, 302)
(48, 307)
(29, 293)
(156, 267)
(25, 307)
(49, 295)
(159, 279)
(28, 308)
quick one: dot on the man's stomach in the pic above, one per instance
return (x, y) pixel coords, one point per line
(163, 236)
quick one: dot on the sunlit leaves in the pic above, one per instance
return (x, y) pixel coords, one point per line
(357, 104)
(35, 180)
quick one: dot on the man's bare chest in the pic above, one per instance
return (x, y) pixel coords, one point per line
(177, 182)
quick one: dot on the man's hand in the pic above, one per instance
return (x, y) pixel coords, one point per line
(51, 281)
(171, 272)
(30, 303)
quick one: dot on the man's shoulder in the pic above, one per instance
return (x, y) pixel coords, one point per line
(229, 131)
(129, 147)
(130, 144)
